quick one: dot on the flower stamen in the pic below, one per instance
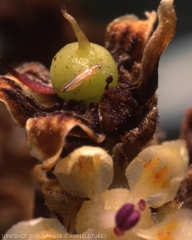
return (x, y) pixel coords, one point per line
(126, 218)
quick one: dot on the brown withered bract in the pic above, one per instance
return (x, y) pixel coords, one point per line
(126, 113)
(137, 55)
(186, 130)
(184, 195)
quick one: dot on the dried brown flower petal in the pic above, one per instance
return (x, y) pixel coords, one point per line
(21, 105)
(38, 73)
(127, 35)
(154, 48)
(186, 130)
(46, 135)
(35, 73)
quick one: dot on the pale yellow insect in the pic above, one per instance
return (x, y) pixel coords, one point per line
(81, 78)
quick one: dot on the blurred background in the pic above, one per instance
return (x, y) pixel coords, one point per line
(34, 30)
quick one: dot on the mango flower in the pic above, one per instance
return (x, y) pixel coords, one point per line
(154, 178)
(42, 228)
(177, 226)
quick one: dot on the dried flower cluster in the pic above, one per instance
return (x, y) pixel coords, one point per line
(93, 174)
(127, 113)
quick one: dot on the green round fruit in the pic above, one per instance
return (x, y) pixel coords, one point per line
(70, 62)
(79, 70)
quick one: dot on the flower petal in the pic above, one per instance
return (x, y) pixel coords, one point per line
(89, 216)
(46, 135)
(34, 78)
(34, 228)
(113, 199)
(100, 214)
(20, 104)
(175, 227)
(154, 48)
(156, 173)
(42, 228)
(32, 73)
(86, 172)
(129, 34)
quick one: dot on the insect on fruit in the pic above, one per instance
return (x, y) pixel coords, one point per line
(79, 79)
(79, 70)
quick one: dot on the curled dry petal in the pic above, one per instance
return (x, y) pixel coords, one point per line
(156, 173)
(38, 75)
(40, 85)
(129, 41)
(86, 172)
(20, 104)
(186, 130)
(128, 34)
(46, 135)
(154, 48)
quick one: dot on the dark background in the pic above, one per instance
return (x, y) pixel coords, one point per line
(35, 30)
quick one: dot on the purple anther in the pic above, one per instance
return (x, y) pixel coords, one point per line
(142, 205)
(126, 218)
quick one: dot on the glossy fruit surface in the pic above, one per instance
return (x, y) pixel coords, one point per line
(79, 70)
(70, 62)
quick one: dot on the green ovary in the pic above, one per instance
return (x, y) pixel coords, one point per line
(71, 61)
